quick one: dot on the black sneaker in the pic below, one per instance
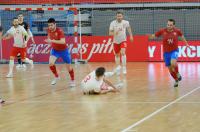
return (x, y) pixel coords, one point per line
(179, 76)
(2, 101)
(176, 84)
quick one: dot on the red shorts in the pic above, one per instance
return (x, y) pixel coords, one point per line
(16, 50)
(117, 47)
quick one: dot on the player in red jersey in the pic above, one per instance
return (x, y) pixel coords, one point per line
(59, 49)
(170, 37)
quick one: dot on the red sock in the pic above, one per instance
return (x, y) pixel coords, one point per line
(53, 69)
(71, 73)
(176, 69)
(174, 75)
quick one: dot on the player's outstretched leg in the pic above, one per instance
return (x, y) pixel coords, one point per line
(11, 65)
(123, 57)
(52, 67)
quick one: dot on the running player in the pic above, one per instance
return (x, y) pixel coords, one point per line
(1, 32)
(95, 82)
(30, 36)
(118, 31)
(170, 36)
(19, 34)
(59, 49)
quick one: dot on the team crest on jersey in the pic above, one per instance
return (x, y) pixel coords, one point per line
(175, 33)
(56, 34)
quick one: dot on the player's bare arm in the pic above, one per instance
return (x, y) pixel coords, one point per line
(111, 32)
(185, 41)
(130, 33)
(7, 36)
(61, 41)
(151, 36)
(110, 84)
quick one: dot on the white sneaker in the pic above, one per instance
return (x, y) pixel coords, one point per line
(124, 70)
(19, 66)
(55, 80)
(117, 70)
(72, 83)
(24, 66)
(119, 85)
(31, 63)
(9, 75)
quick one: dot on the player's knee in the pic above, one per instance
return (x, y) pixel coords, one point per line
(51, 64)
(12, 57)
(117, 55)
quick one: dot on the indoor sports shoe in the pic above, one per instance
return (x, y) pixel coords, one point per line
(124, 70)
(31, 63)
(2, 101)
(72, 83)
(18, 66)
(179, 76)
(54, 81)
(119, 85)
(24, 66)
(9, 75)
(176, 84)
(117, 70)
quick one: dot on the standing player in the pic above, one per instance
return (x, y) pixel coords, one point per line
(1, 32)
(59, 49)
(30, 35)
(95, 82)
(19, 34)
(118, 31)
(170, 37)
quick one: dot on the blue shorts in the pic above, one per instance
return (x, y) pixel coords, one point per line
(168, 56)
(64, 54)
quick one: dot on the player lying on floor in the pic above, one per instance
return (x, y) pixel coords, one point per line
(96, 82)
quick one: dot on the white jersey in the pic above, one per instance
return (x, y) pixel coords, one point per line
(18, 34)
(119, 30)
(89, 83)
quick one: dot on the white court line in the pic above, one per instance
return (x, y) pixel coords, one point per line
(92, 102)
(25, 79)
(158, 111)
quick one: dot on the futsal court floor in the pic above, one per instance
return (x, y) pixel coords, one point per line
(148, 102)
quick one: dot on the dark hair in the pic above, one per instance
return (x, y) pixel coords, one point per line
(172, 20)
(15, 18)
(100, 71)
(119, 12)
(1, 29)
(51, 20)
(20, 14)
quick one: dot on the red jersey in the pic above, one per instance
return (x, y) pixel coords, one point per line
(170, 39)
(57, 35)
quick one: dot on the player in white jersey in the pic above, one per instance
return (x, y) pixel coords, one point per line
(1, 32)
(96, 83)
(18, 33)
(30, 36)
(118, 29)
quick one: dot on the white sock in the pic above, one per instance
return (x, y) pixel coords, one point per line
(124, 60)
(11, 65)
(117, 60)
(27, 60)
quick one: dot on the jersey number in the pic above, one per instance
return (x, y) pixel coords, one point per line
(170, 41)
